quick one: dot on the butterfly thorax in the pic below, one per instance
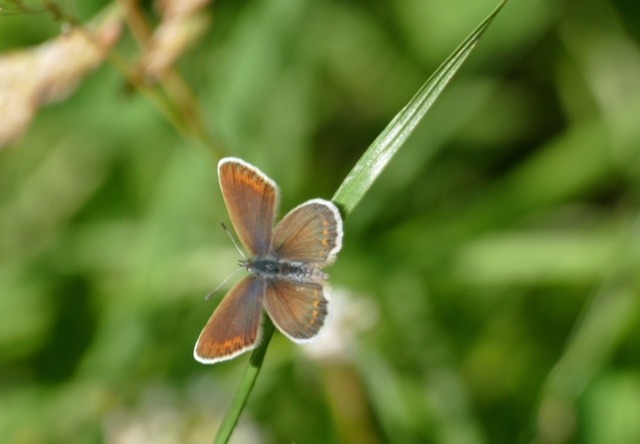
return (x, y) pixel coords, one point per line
(268, 268)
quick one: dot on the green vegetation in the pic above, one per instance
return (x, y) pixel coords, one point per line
(488, 287)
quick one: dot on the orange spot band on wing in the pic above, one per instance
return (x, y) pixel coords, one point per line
(228, 346)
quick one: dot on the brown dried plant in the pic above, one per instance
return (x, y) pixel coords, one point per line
(31, 78)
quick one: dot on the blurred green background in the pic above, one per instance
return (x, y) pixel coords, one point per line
(488, 288)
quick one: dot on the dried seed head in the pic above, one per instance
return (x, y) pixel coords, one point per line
(49, 72)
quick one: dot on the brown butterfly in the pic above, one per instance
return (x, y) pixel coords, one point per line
(285, 266)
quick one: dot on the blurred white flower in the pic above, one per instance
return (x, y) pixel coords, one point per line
(166, 416)
(349, 316)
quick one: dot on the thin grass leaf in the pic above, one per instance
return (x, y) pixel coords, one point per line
(356, 184)
(246, 385)
(386, 145)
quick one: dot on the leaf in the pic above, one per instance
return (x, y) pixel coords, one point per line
(386, 145)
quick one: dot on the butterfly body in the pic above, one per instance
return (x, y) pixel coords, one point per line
(285, 265)
(273, 269)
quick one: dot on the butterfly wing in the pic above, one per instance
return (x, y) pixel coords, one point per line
(251, 199)
(297, 309)
(310, 233)
(234, 326)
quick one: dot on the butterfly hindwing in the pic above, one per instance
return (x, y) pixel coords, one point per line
(297, 309)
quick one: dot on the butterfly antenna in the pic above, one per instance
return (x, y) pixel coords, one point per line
(233, 240)
(215, 290)
(235, 244)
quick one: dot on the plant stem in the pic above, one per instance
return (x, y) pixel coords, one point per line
(246, 384)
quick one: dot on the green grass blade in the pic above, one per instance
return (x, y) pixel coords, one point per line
(382, 150)
(246, 385)
(356, 184)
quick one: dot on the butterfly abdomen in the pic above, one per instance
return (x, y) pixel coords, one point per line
(301, 272)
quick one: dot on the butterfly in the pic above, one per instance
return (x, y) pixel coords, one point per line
(285, 266)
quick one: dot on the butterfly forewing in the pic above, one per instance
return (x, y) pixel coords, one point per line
(252, 200)
(297, 309)
(311, 233)
(234, 327)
